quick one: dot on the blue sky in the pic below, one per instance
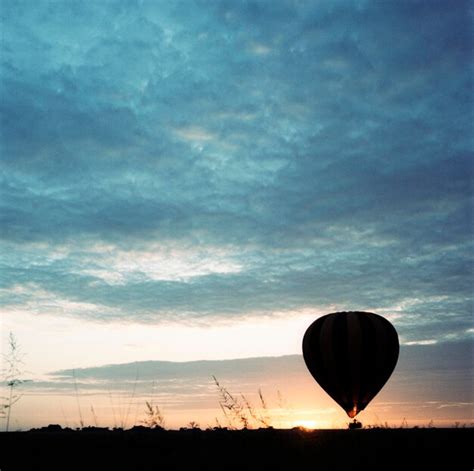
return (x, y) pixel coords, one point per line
(202, 163)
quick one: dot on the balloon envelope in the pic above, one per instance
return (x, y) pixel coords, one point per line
(351, 355)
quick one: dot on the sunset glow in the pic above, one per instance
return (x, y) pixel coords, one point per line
(188, 185)
(306, 424)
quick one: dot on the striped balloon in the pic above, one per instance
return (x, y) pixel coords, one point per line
(351, 355)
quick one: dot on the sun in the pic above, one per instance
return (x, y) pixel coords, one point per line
(306, 424)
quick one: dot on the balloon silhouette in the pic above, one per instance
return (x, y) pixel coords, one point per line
(351, 355)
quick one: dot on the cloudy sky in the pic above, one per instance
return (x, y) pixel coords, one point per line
(199, 180)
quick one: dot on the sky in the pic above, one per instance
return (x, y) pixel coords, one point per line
(199, 180)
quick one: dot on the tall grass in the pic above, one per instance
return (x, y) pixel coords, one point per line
(153, 416)
(81, 421)
(125, 420)
(239, 411)
(12, 372)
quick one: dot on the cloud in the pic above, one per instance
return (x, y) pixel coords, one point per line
(192, 381)
(201, 162)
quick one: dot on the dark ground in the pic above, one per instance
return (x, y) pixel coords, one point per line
(265, 449)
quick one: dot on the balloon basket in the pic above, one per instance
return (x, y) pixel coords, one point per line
(354, 425)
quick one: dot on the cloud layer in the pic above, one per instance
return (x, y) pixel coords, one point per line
(200, 161)
(284, 381)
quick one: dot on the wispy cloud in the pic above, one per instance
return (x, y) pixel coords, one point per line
(192, 382)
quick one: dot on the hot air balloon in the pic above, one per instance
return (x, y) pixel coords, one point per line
(351, 355)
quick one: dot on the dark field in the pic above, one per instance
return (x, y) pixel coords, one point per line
(265, 449)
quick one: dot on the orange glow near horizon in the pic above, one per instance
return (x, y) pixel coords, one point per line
(292, 397)
(306, 424)
(121, 410)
